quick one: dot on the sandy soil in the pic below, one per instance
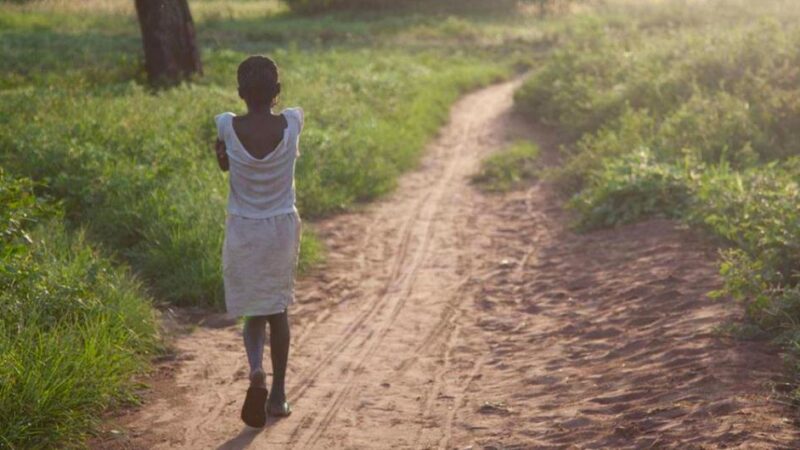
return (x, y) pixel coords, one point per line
(445, 318)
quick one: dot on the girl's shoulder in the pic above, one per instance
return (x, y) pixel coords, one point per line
(224, 115)
(223, 122)
(295, 114)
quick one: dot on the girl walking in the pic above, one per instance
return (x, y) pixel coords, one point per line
(262, 230)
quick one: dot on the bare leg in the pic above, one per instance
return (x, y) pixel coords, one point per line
(254, 337)
(279, 338)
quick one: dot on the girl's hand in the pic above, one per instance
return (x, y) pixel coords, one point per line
(222, 155)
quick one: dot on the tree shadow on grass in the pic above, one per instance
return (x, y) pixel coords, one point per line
(412, 28)
(47, 57)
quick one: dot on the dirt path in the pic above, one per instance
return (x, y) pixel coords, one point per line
(448, 319)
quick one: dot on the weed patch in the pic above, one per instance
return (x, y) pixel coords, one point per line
(508, 168)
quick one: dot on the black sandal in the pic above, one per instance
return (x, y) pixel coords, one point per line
(282, 410)
(254, 411)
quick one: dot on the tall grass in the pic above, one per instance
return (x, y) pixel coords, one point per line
(73, 328)
(135, 167)
(688, 110)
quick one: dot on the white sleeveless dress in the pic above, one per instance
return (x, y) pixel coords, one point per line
(262, 228)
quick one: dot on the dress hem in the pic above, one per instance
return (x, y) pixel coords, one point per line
(245, 312)
(280, 212)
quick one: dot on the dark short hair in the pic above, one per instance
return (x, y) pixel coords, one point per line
(258, 80)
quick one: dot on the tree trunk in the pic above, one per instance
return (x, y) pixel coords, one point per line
(170, 50)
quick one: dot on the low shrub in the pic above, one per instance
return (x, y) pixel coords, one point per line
(756, 209)
(631, 188)
(508, 168)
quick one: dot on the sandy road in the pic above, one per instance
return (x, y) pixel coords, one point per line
(444, 318)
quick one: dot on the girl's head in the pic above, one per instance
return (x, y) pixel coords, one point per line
(258, 81)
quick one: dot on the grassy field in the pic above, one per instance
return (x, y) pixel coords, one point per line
(688, 110)
(111, 199)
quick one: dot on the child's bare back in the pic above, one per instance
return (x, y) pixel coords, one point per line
(260, 132)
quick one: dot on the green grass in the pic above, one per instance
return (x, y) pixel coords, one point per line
(74, 328)
(135, 168)
(135, 205)
(316, 6)
(509, 168)
(692, 111)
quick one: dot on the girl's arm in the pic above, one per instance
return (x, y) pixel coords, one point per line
(222, 155)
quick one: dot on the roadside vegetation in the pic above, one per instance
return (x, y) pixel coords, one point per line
(688, 110)
(73, 326)
(111, 199)
(509, 168)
